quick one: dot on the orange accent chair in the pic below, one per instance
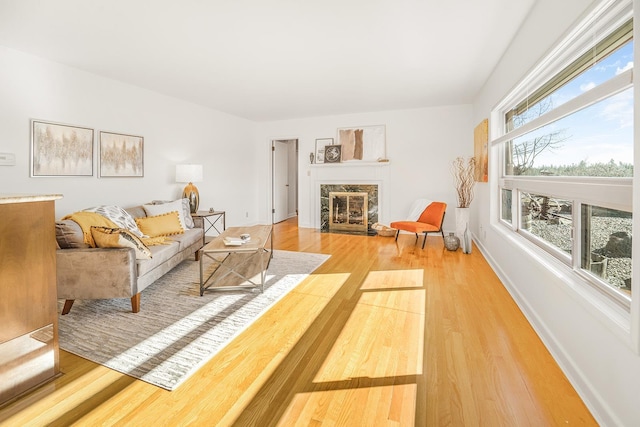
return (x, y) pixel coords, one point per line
(430, 221)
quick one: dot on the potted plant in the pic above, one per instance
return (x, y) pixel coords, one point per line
(463, 171)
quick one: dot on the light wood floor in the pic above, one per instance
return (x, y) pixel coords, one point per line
(383, 334)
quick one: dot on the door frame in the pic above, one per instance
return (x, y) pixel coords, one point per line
(291, 164)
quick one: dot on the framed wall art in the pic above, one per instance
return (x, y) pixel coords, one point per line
(366, 143)
(121, 155)
(60, 150)
(481, 150)
(332, 153)
(321, 143)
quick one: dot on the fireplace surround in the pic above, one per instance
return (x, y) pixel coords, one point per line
(348, 175)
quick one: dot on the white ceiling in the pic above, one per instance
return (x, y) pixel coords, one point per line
(276, 59)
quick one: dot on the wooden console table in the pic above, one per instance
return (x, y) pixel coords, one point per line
(28, 293)
(236, 266)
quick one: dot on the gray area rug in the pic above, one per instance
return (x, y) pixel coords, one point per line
(176, 330)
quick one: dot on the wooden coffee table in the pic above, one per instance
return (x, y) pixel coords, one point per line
(236, 267)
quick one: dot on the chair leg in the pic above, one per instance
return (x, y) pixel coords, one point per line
(425, 240)
(397, 232)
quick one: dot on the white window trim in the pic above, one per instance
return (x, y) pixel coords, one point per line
(618, 192)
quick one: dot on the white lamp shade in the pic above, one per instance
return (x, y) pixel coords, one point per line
(188, 173)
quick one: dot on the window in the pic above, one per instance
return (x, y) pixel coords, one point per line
(505, 205)
(605, 240)
(567, 153)
(548, 219)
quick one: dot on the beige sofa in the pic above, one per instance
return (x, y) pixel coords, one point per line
(84, 272)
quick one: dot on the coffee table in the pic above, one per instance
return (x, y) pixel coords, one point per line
(236, 267)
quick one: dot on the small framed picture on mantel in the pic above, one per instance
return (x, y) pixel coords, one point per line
(321, 143)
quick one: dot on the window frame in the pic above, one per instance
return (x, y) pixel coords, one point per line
(613, 193)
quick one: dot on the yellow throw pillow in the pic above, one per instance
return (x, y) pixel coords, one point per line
(106, 237)
(166, 224)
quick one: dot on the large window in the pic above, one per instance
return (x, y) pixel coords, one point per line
(567, 154)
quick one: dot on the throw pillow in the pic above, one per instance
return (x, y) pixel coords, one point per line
(118, 216)
(176, 205)
(106, 237)
(166, 224)
(186, 210)
(69, 235)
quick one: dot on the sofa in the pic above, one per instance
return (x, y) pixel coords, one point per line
(123, 265)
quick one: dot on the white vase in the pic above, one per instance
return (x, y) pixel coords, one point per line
(466, 239)
(462, 220)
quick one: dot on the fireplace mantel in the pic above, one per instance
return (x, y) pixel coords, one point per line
(355, 172)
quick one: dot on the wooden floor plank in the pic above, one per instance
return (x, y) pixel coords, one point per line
(383, 334)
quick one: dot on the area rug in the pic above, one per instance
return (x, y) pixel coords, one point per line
(176, 330)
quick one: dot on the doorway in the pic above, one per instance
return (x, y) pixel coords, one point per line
(284, 179)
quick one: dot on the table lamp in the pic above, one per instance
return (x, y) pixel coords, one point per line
(190, 174)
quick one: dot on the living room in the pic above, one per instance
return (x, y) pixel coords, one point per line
(596, 350)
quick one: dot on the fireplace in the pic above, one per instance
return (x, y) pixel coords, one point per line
(348, 208)
(348, 211)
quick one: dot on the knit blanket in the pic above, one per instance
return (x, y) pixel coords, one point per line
(87, 219)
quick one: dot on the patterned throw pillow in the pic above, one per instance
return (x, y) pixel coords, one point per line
(106, 237)
(166, 224)
(118, 216)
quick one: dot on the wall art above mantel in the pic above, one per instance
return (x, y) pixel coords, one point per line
(362, 143)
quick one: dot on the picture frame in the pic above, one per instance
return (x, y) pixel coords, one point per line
(59, 149)
(320, 144)
(481, 150)
(121, 155)
(363, 143)
(332, 153)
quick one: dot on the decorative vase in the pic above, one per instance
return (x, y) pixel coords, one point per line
(451, 242)
(462, 220)
(466, 241)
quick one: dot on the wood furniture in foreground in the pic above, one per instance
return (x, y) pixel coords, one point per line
(28, 298)
(235, 267)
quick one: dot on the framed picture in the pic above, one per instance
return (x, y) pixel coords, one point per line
(366, 143)
(332, 153)
(481, 150)
(60, 150)
(121, 155)
(320, 144)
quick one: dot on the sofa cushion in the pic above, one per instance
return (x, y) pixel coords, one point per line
(69, 235)
(166, 224)
(176, 205)
(189, 237)
(106, 237)
(136, 212)
(186, 211)
(160, 254)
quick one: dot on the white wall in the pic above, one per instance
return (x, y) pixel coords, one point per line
(421, 143)
(597, 355)
(174, 132)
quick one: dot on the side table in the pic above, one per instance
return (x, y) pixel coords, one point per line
(209, 220)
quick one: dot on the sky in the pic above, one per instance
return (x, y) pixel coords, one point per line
(601, 132)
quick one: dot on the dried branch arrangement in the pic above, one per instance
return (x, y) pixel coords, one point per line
(463, 172)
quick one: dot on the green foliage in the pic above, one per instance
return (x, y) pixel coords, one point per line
(609, 169)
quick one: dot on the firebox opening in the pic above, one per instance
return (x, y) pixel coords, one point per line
(348, 211)
(349, 208)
